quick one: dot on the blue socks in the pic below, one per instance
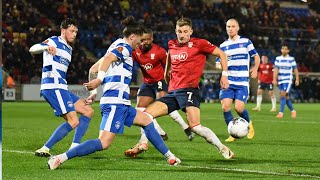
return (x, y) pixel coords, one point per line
(155, 138)
(81, 129)
(245, 115)
(289, 104)
(85, 148)
(227, 117)
(282, 103)
(58, 134)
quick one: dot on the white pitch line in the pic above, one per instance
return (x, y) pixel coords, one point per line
(203, 167)
(16, 151)
(279, 121)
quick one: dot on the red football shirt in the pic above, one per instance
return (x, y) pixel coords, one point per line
(151, 63)
(266, 73)
(187, 62)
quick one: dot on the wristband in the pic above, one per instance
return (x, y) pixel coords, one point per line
(224, 73)
(101, 75)
(93, 91)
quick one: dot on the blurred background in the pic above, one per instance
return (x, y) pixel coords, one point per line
(267, 23)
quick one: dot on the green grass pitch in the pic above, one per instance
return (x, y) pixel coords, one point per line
(281, 149)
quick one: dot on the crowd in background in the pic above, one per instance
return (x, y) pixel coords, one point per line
(267, 25)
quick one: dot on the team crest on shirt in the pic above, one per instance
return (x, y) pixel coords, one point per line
(267, 66)
(190, 44)
(138, 53)
(152, 56)
(120, 49)
(227, 47)
(46, 41)
(70, 104)
(117, 125)
(240, 45)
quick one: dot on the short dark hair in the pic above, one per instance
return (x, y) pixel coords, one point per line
(184, 22)
(132, 27)
(285, 44)
(68, 22)
(148, 31)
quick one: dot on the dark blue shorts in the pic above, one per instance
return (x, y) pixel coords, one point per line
(264, 86)
(181, 98)
(151, 90)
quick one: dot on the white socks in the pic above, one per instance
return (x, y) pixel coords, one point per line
(63, 157)
(169, 155)
(259, 100)
(177, 117)
(208, 135)
(143, 138)
(274, 102)
(73, 145)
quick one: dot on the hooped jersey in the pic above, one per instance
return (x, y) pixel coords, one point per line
(118, 77)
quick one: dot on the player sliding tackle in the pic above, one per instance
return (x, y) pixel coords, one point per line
(185, 63)
(114, 73)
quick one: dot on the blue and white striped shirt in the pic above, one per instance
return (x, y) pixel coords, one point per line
(239, 53)
(54, 70)
(285, 64)
(116, 82)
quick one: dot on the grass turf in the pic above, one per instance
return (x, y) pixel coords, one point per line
(286, 148)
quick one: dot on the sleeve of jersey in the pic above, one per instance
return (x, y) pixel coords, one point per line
(48, 42)
(252, 51)
(163, 55)
(276, 63)
(218, 59)
(294, 64)
(206, 46)
(121, 52)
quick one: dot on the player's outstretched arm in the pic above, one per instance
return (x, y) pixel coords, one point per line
(167, 69)
(224, 83)
(296, 72)
(104, 64)
(93, 74)
(254, 70)
(39, 48)
(275, 76)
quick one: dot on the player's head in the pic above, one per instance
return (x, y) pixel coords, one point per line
(264, 59)
(232, 27)
(69, 29)
(132, 32)
(285, 49)
(183, 30)
(146, 41)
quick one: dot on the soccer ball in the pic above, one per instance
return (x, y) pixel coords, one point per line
(238, 128)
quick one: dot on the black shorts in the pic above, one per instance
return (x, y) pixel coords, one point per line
(181, 98)
(151, 90)
(264, 86)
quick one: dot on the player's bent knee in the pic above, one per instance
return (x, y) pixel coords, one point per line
(239, 109)
(74, 122)
(88, 112)
(226, 108)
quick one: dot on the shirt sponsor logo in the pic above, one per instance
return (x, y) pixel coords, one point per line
(148, 66)
(180, 57)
